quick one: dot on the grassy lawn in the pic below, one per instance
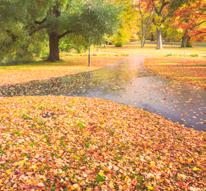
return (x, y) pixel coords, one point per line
(61, 143)
(168, 51)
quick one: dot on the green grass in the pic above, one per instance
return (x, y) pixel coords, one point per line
(151, 51)
(194, 55)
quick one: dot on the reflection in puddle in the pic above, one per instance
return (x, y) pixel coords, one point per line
(129, 83)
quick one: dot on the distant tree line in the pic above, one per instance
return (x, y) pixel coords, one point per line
(169, 20)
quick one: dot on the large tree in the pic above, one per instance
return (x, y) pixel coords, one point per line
(164, 10)
(56, 19)
(191, 19)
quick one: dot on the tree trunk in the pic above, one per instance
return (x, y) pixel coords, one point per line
(152, 37)
(189, 44)
(142, 33)
(53, 47)
(143, 36)
(89, 56)
(142, 42)
(159, 39)
(186, 41)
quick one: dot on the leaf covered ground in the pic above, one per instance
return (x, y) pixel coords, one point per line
(191, 71)
(22, 73)
(59, 143)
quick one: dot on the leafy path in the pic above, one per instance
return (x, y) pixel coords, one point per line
(61, 143)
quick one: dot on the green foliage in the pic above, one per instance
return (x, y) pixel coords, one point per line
(96, 20)
(118, 44)
(73, 42)
(194, 55)
(170, 33)
(15, 41)
(26, 24)
(100, 178)
(81, 125)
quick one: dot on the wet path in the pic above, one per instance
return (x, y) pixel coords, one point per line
(130, 83)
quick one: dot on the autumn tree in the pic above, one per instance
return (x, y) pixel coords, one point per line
(128, 27)
(146, 14)
(164, 10)
(191, 20)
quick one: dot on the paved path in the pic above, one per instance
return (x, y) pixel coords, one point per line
(130, 83)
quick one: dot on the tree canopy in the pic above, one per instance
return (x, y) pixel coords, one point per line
(28, 23)
(191, 20)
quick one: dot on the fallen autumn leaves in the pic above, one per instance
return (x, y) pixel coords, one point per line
(25, 73)
(192, 71)
(59, 143)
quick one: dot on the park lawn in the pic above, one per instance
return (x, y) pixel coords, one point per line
(150, 51)
(62, 143)
(70, 64)
(189, 70)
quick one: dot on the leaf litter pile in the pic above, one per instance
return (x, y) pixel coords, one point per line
(59, 143)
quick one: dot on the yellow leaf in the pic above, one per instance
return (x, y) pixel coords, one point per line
(152, 164)
(149, 187)
(111, 185)
(8, 171)
(196, 169)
